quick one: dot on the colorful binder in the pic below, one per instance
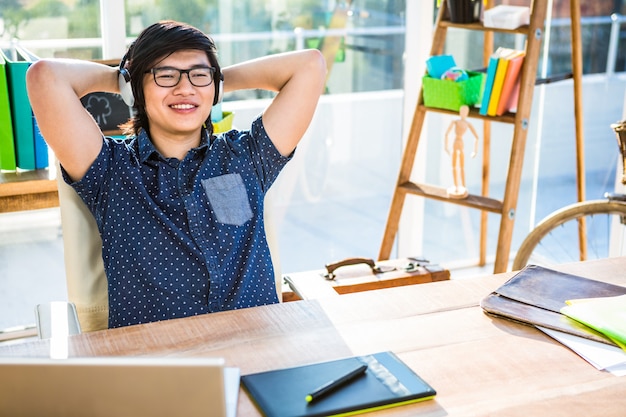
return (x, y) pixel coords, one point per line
(387, 382)
(21, 113)
(30, 149)
(7, 149)
(41, 147)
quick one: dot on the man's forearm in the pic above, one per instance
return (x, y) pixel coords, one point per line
(268, 73)
(83, 77)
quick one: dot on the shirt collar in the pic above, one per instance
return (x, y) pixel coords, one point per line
(147, 149)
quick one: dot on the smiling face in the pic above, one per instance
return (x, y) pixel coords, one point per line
(178, 113)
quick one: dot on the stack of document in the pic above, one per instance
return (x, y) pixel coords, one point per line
(602, 356)
(606, 315)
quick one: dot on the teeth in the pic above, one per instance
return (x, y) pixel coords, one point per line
(183, 106)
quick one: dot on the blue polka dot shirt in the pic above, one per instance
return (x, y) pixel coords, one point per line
(183, 237)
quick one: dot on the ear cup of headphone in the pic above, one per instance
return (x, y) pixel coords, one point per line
(126, 91)
(123, 81)
(219, 90)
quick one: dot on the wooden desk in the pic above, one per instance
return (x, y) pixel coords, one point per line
(29, 190)
(479, 365)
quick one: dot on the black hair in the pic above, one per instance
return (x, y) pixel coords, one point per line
(153, 44)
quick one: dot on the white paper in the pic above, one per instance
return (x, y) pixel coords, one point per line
(602, 356)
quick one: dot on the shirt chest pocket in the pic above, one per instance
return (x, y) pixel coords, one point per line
(228, 198)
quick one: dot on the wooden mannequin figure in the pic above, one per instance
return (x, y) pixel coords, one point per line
(457, 154)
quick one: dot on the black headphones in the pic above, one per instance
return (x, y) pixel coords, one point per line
(123, 81)
(126, 90)
(219, 90)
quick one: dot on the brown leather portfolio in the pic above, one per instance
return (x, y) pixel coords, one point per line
(536, 294)
(363, 274)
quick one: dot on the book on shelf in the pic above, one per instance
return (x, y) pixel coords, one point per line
(492, 67)
(7, 148)
(511, 84)
(387, 382)
(498, 81)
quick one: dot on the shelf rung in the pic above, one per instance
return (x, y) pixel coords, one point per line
(437, 193)
(480, 27)
(505, 118)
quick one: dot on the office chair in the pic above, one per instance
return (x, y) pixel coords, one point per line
(86, 282)
(87, 307)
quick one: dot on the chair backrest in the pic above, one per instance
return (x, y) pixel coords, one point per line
(272, 241)
(84, 268)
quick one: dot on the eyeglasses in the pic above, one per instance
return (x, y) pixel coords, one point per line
(170, 77)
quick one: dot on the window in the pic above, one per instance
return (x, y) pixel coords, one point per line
(370, 43)
(56, 28)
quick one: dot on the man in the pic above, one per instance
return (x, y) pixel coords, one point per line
(179, 210)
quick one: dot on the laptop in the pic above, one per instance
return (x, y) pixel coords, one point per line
(118, 386)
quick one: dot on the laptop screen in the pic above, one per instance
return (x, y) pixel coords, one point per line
(118, 386)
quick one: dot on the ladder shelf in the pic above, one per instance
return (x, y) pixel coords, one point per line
(506, 206)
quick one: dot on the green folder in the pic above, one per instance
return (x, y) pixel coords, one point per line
(606, 315)
(21, 112)
(7, 149)
(387, 382)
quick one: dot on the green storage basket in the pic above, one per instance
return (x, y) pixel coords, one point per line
(451, 95)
